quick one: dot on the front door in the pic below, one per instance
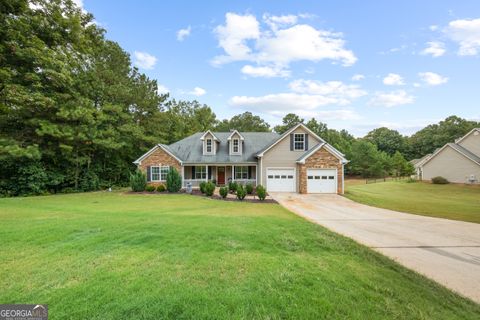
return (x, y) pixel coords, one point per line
(221, 175)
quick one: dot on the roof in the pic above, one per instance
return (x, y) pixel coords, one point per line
(469, 133)
(419, 162)
(466, 153)
(331, 149)
(190, 149)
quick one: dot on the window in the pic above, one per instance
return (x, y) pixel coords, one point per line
(236, 146)
(200, 172)
(209, 145)
(159, 173)
(241, 172)
(299, 141)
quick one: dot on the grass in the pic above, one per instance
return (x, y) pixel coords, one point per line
(117, 256)
(450, 201)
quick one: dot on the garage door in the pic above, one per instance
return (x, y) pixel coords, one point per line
(281, 180)
(321, 181)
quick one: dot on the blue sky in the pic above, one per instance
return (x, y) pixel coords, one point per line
(352, 65)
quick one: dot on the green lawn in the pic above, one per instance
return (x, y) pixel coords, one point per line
(450, 201)
(116, 256)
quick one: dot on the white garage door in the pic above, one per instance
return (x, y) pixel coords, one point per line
(321, 181)
(281, 180)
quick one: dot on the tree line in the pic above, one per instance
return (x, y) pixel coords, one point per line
(75, 113)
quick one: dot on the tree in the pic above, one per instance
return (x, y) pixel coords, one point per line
(387, 140)
(246, 122)
(174, 180)
(367, 161)
(288, 122)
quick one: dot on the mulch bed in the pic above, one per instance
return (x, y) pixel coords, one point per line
(248, 198)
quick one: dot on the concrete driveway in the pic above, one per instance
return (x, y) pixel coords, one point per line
(446, 251)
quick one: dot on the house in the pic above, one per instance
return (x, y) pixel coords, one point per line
(296, 161)
(457, 162)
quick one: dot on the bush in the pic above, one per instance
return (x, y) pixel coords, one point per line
(174, 180)
(411, 180)
(249, 188)
(223, 192)
(440, 180)
(241, 193)
(161, 188)
(232, 186)
(261, 192)
(138, 181)
(150, 188)
(209, 188)
(202, 186)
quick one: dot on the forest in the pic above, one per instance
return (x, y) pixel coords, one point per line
(75, 112)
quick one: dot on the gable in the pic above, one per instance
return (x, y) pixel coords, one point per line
(471, 142)
(449, 157)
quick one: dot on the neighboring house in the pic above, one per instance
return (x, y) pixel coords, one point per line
(296, 161)
(457, 162)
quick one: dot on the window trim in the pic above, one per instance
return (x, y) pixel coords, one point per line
(159, 173)
(243, 171)
(211, 145)
(203, 171)
(295, 142)
(238, 145)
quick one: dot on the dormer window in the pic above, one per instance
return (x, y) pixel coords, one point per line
(299, 142)
(209, 145)
(236, 146)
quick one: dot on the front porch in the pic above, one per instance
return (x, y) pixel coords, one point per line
(219, 174)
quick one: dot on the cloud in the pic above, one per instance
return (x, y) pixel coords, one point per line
(467, 34)
(265, 72)
(432, 78)
(162, 89)
(197, 91)
(435, 48)
(282, 42)
(391, 99)
(433, 27)
(339, 114)
(144, 60)
(183, 33)
(358, 77)
(337, 89)
(393, 79)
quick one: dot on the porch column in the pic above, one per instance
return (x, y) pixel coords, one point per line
(206, 175)
(233, 173)
(183, 176)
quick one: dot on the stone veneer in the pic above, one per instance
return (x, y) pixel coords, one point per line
(321, 159)
(159, 158)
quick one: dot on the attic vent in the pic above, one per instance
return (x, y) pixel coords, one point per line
(476, 133)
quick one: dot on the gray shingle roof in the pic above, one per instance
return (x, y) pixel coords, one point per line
(465, 152)
(190, 149)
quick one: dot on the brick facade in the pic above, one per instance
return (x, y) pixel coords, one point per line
(159, 158)
(321, 159)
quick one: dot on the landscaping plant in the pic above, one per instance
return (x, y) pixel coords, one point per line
(249, 188)
(161, 188)
(261, 192)
(150, 188)
(241, 192)
(174, 180)
(138, 181)
(202, 186)
(209, 188)
(223, 192)
(440, 180)
(232, 186)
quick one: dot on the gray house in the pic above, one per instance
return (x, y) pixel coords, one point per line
(296, 161)
(458, 162)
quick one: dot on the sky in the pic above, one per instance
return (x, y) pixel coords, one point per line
(353, 65)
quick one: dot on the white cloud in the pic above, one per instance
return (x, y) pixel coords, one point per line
(435, 48)
(391, 99)
(282, 42)
(432, 78)
(265, 72)
(358, 77)
(393, 79)
(162, 89)
(144, 60)
(197, 91)
(433, 27)
(337, 89)
(183, 33)
(467, 34)
(339, 114)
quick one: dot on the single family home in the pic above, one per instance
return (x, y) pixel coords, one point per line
(296, 161)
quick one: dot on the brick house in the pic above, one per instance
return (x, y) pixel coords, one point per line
(296, 161)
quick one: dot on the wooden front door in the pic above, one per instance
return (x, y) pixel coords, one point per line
(221, 175)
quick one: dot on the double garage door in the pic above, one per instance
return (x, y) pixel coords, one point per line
(318, 180)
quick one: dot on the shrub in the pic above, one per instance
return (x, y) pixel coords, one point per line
(411, 180)
(203, 184)
(261, 192)
(150, 188)
(161, 188)
(241, 193)
(209, 188)
(174, 180)
(439, 180)
(249, 188)
(232, 186)
(138, 181)
(223, 192)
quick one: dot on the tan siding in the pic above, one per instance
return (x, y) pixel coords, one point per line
(472, 143)
(281, 156)
(451, 165)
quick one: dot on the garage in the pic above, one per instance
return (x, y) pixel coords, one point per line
(281, 179)
(321, 181)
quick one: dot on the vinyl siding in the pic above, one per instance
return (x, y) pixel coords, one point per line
(281, 156)
(472, 143)
(451, 165)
